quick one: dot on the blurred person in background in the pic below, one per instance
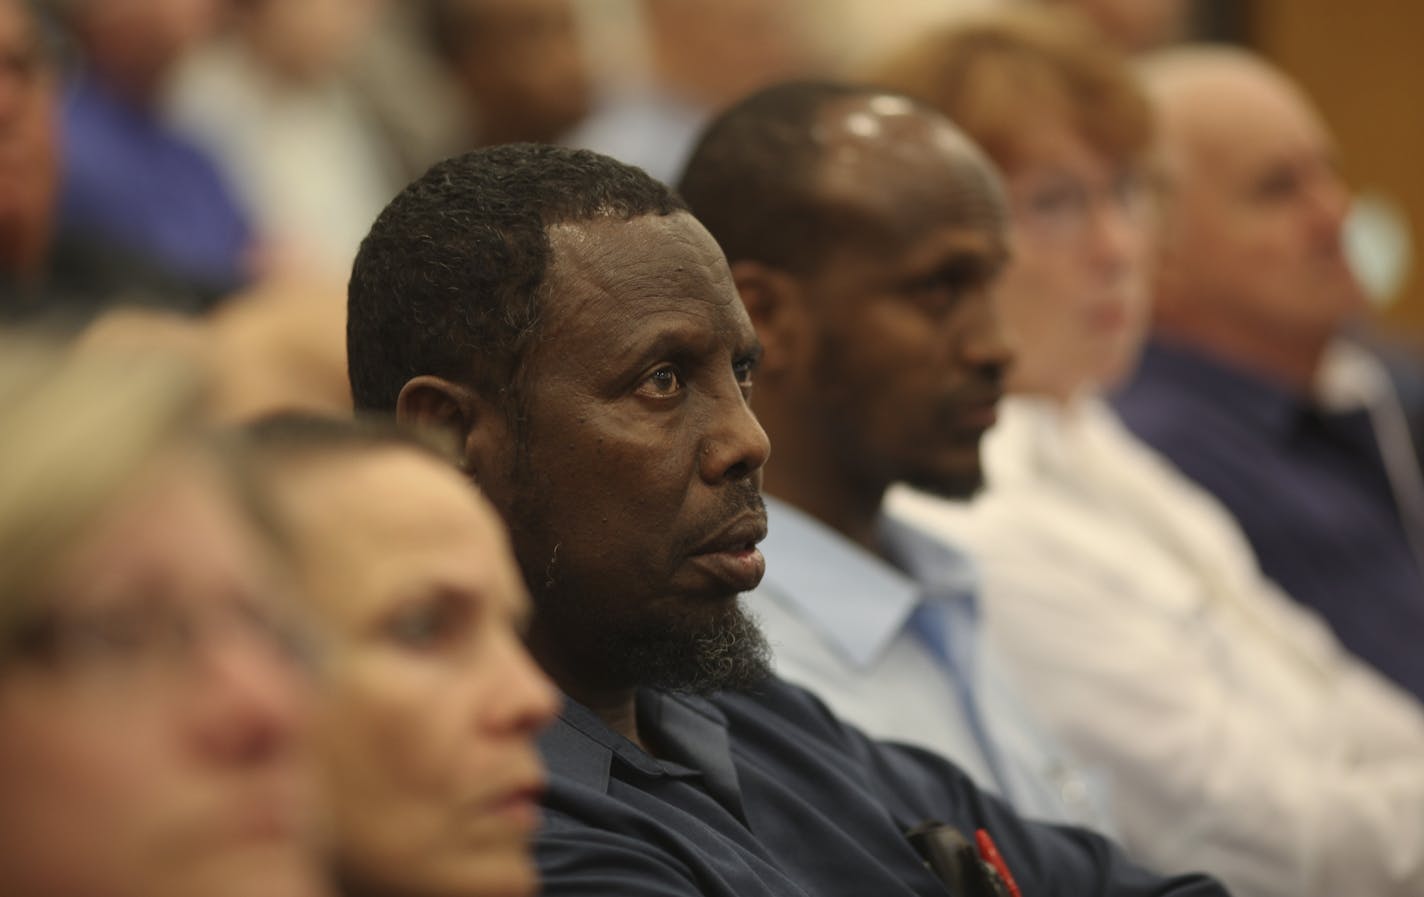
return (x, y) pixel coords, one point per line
(430, 704)
(702, 56)
(1240, 736)
(1251, 384)
(152, 711)
(280, 346)
(275, 103)
(45, 272)
(128, 177)
(518, 64)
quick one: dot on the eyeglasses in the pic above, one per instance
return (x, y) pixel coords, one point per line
(1062, 208)
(151, 643)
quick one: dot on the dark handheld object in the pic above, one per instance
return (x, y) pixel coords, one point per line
(955, 859)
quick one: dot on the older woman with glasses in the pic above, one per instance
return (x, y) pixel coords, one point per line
(151, 701)
(1239, 736)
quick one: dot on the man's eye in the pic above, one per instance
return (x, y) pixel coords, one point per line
(744, 370)
(662, 383)
(1276, 185)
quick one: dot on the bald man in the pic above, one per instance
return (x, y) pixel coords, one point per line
(1248, 386)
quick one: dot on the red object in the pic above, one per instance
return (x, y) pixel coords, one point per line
(989, 853)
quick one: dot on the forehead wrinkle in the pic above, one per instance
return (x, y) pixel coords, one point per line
(591, 269)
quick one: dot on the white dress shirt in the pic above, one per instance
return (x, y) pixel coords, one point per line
(1240, 737)
(905, 659)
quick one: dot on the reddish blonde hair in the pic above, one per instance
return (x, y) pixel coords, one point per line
(1001, 76)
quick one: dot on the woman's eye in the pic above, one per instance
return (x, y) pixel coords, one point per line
(662, 382)
(426, 625)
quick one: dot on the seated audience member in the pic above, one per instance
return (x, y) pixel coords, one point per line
(151, 709)
(274, 103)
(518, 64)
(128, 177)
(1249, 386)
(580, 334)
(430, 703)
(702, 57)
(866, 236)
(43, 272)
(280, 346)
(1239, 736)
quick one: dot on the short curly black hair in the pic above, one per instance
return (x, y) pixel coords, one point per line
(450, 280)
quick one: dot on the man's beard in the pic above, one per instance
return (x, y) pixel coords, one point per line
(733, 654)
(693, 653)
(955, 485)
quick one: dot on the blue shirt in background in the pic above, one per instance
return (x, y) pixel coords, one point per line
(128, 179)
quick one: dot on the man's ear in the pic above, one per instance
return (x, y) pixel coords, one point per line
(437, 403)
(774, 302)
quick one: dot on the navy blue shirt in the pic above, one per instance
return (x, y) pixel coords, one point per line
(770, 794)
(131, 180)
(1309, 489)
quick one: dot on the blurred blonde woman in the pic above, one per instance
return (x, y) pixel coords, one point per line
(429, 702)
(150, 707)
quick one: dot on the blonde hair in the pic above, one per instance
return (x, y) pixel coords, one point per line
(77, 428)
(1002, 75)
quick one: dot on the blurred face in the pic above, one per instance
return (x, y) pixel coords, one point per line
(908, 348)
(1253, 239)
(311, 39)
(1075, 295)
(431, 703)
(523, 67)
(29, 149)
(717, 53)
(135, 43)
(635, 501)
(149, 719)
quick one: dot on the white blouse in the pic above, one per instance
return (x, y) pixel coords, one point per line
(1240, 738)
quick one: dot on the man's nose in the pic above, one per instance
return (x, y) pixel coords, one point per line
(1330, 200)
(736, 446)
(985, 341)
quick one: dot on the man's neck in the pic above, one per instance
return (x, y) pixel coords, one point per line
(1291, 361)
(618, 710)
(805, 474)
(616, 706)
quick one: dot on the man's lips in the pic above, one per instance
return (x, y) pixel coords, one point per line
(742, 533)
(976, 415)
(730, 556)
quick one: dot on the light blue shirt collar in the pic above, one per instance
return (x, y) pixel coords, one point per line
(826, 578)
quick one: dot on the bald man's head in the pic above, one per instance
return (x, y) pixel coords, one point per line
(1253, 266)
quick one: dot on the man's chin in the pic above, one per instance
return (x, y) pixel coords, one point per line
(955, 485)
(732, 654)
